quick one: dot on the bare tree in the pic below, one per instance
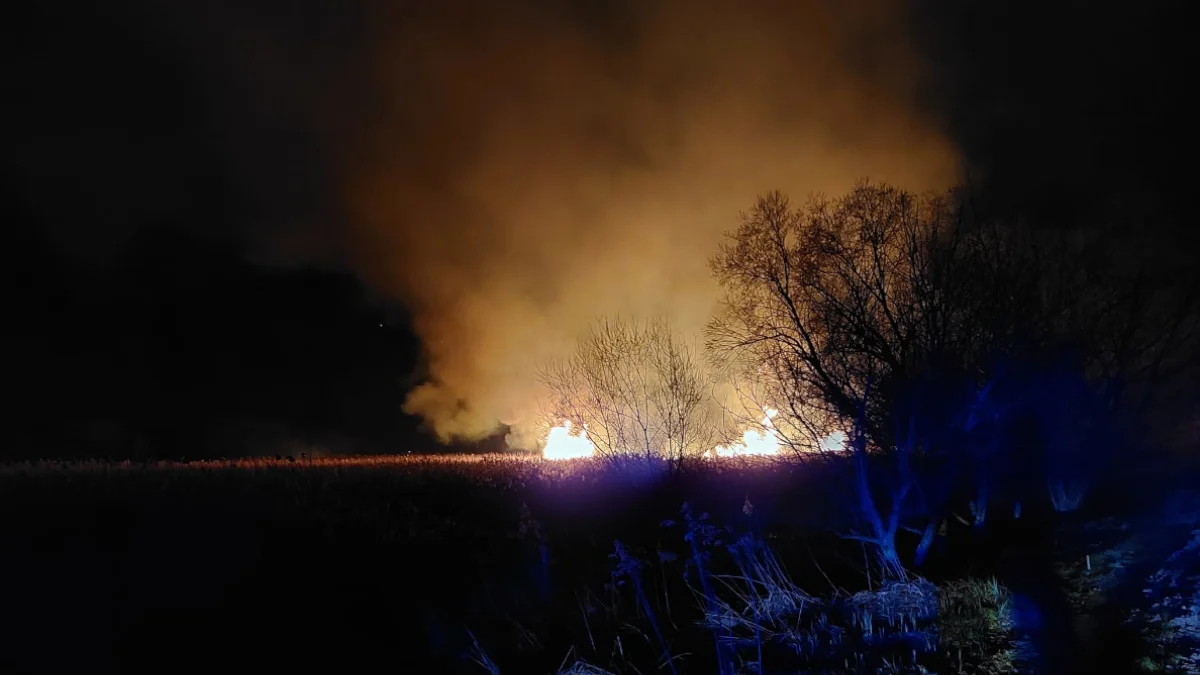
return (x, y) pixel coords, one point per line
(639, 390)
(833, 303)
(826, 299)
(926, 328)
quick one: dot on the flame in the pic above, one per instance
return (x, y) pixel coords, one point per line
(562, 444)
(835, 442)
(754, 441)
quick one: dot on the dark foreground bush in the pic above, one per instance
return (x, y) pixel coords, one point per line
(516, 564)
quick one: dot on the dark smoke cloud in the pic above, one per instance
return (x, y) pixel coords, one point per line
(528, 168)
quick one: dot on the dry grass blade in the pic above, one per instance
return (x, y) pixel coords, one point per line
(898, 601)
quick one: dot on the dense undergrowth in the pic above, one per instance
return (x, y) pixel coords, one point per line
(514, 565)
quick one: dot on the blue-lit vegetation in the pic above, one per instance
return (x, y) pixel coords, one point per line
(517, 565)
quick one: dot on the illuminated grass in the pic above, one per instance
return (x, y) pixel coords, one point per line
(475, 465)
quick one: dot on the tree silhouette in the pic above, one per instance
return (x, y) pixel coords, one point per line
(639, 389)
(932, 330)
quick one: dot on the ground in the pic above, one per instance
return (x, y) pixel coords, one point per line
(517, 566)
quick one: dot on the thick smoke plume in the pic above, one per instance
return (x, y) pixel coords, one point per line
(529, 166)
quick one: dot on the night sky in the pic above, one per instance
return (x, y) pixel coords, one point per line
(243, 222)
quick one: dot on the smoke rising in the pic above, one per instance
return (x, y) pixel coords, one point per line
(520, 170)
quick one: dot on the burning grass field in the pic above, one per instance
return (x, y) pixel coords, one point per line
(475, 564)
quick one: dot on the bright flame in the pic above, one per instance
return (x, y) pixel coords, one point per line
(835, 442)
(754, 441)
(562, 444)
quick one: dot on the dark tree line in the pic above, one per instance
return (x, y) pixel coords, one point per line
(986, 356)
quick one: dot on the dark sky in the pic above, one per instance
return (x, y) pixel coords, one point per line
(1042, 95)
(494, 167)
(231, 114)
